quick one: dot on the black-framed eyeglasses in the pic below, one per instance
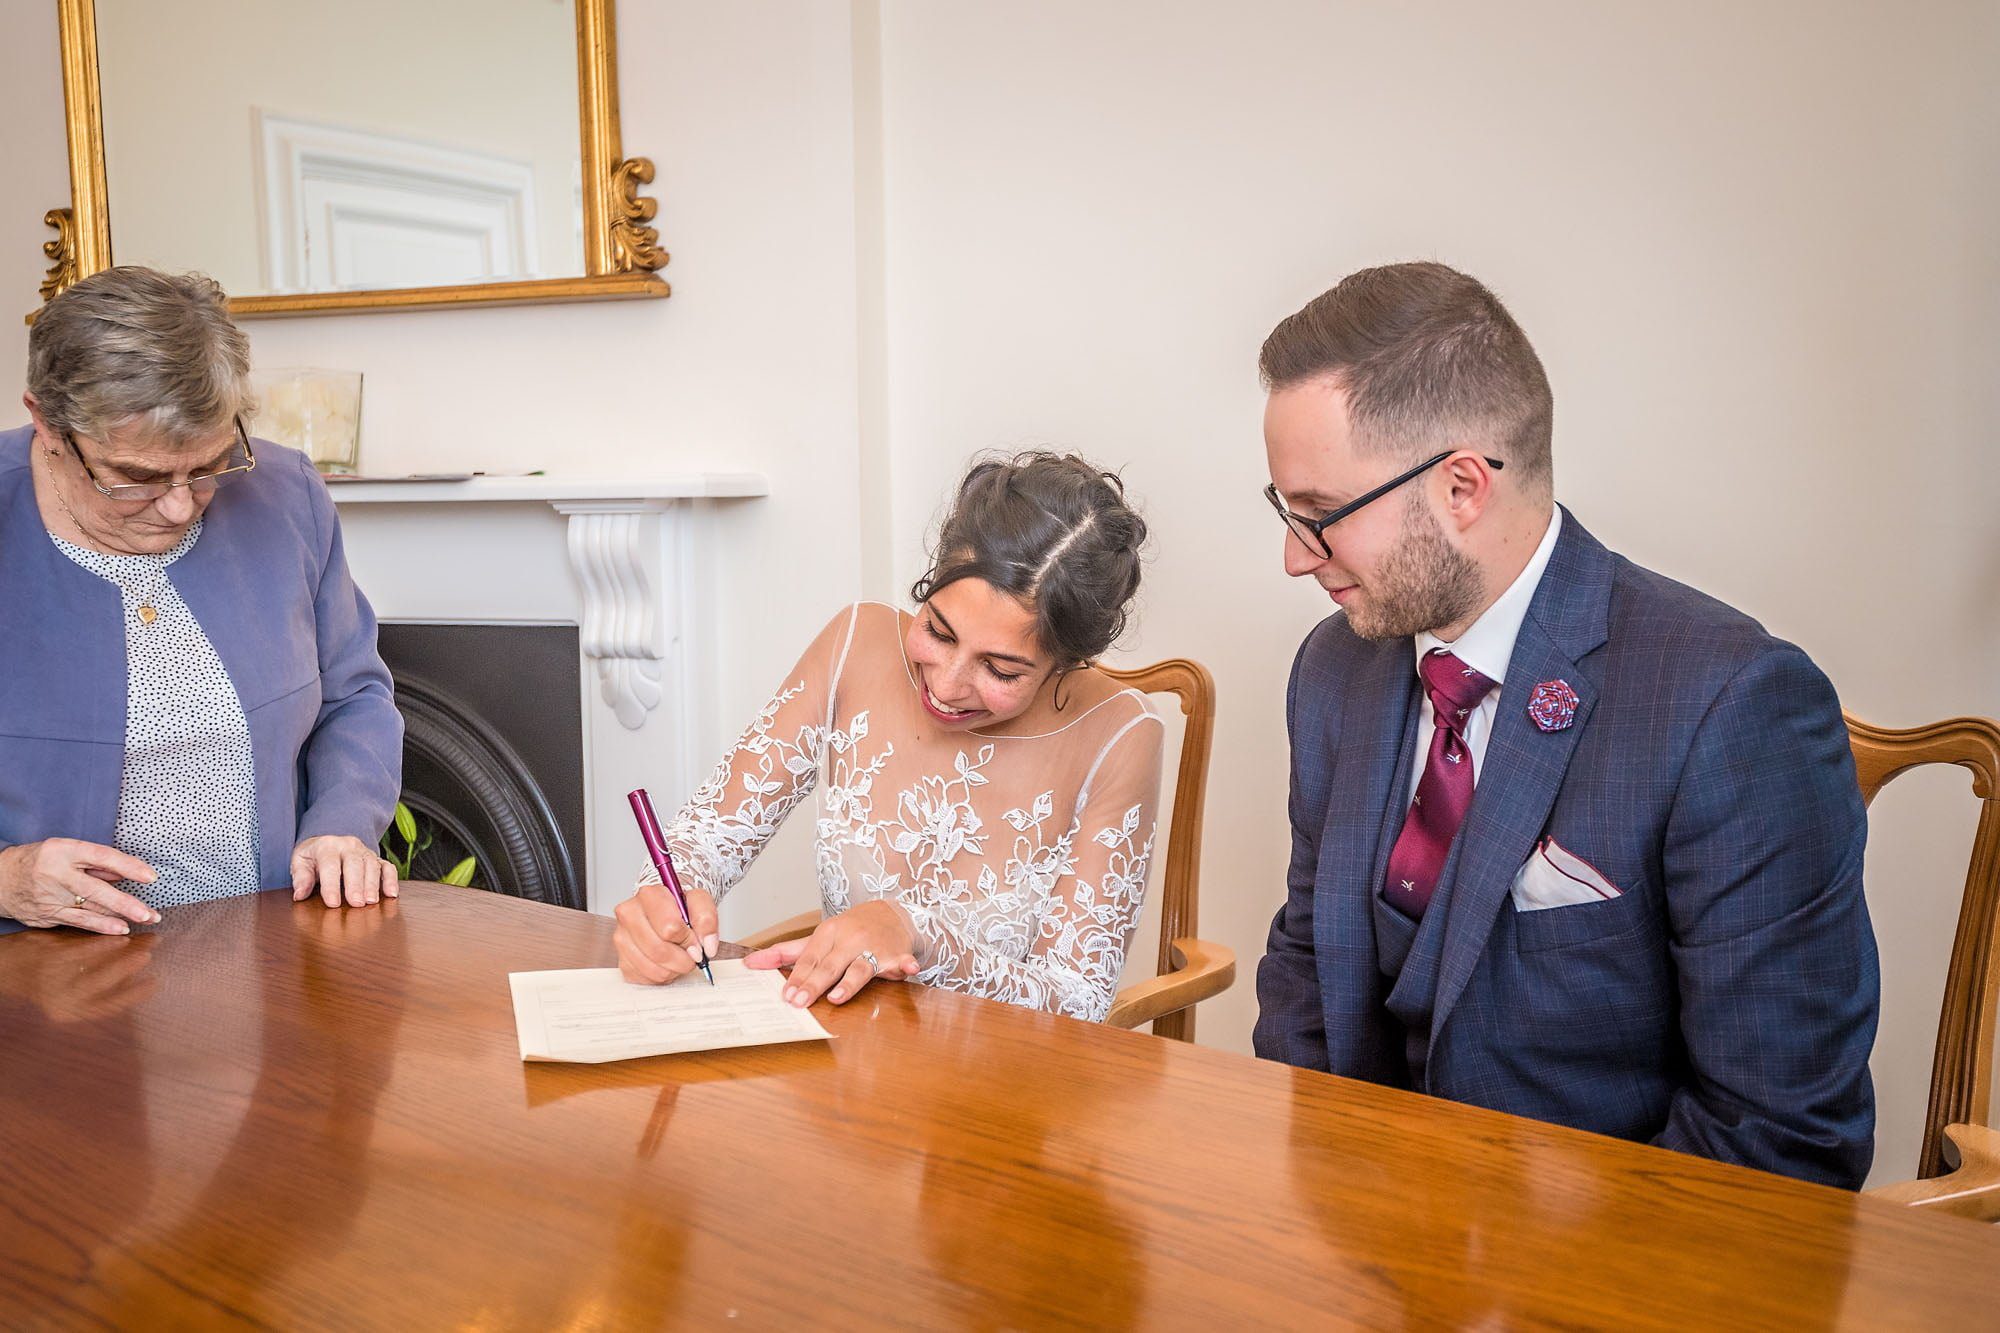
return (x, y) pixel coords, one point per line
(241, 459)
(1311, 531)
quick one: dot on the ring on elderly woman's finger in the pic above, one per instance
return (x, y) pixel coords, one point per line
(869, 958)
(82, 901)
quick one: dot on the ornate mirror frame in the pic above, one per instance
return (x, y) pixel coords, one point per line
(621, 249)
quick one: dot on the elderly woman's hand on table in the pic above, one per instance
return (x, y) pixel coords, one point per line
(341, 869)
(64, 882)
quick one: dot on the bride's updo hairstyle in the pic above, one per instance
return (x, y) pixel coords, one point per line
(1053, 531)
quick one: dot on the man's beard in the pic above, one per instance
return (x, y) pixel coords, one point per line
(1424, 583)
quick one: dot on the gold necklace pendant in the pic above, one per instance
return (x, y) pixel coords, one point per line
(147, 615)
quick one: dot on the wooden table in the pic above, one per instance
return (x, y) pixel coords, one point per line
(267, 1115)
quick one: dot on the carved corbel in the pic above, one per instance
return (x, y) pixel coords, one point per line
(615, 550)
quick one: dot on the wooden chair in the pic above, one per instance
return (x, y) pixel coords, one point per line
(1962, 1070)
(1190, 969)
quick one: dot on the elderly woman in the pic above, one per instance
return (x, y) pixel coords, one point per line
(193, 705)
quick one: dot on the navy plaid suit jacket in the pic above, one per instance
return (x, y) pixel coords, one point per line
(1725, 1004)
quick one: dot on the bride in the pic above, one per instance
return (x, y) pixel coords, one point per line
(986, 797)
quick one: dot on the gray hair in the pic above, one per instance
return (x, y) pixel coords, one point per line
(134, 346)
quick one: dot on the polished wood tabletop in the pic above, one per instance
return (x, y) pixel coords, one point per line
(262, 1114)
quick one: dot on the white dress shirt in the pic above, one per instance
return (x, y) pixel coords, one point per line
(1486, 646)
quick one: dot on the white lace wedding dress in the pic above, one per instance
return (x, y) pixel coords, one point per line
(1021, 860)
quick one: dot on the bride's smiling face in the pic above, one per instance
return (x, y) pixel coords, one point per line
(976, 658)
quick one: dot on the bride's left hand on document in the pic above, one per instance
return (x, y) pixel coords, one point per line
(832, 955)
(654, 945)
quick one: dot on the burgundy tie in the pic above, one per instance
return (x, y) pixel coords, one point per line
(1444, 791)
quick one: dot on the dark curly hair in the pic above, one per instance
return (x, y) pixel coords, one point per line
(1054, 531)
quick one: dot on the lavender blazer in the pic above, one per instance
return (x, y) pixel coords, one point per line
(269, 583)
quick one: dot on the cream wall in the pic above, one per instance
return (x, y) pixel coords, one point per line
(1753, 244)
(34, 177)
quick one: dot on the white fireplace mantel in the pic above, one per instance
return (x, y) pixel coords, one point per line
(622, 558)
(527, 489)
(616, 553)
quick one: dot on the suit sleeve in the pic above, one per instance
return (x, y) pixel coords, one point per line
(1291, 1023)
(351, 768)
(1771, 940)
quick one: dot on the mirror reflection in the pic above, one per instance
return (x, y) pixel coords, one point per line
(282, 147)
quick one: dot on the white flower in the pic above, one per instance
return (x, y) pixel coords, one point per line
(935, 828)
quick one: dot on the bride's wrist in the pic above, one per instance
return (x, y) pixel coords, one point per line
(900, 927)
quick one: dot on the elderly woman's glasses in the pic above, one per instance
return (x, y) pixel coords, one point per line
(1311, 532)
(241, 459)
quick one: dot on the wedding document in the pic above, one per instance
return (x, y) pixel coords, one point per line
(591, 1015)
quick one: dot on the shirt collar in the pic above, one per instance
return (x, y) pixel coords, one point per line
(1488, 642)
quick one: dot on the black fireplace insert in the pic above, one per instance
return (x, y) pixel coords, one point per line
(493, 753)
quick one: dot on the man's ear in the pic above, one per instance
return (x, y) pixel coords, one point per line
(1468, 488)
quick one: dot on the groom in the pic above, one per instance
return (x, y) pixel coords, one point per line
(1569, 840)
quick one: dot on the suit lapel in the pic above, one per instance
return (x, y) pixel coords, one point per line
(1524, 765)
(1395, 800)
(1375, 722)
(1375, 728)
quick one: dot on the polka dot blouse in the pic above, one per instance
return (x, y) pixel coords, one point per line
(187, 804)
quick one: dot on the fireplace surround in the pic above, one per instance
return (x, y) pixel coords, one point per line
(614, 575)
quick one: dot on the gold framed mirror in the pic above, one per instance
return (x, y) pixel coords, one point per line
(371, 155)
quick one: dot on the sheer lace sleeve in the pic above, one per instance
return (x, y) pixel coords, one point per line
(1086, 879)
(774, 765)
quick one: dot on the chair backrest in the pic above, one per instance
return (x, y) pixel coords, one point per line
(1962, 1069)
(1179, 878)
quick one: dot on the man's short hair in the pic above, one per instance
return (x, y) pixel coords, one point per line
(1429, 360)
